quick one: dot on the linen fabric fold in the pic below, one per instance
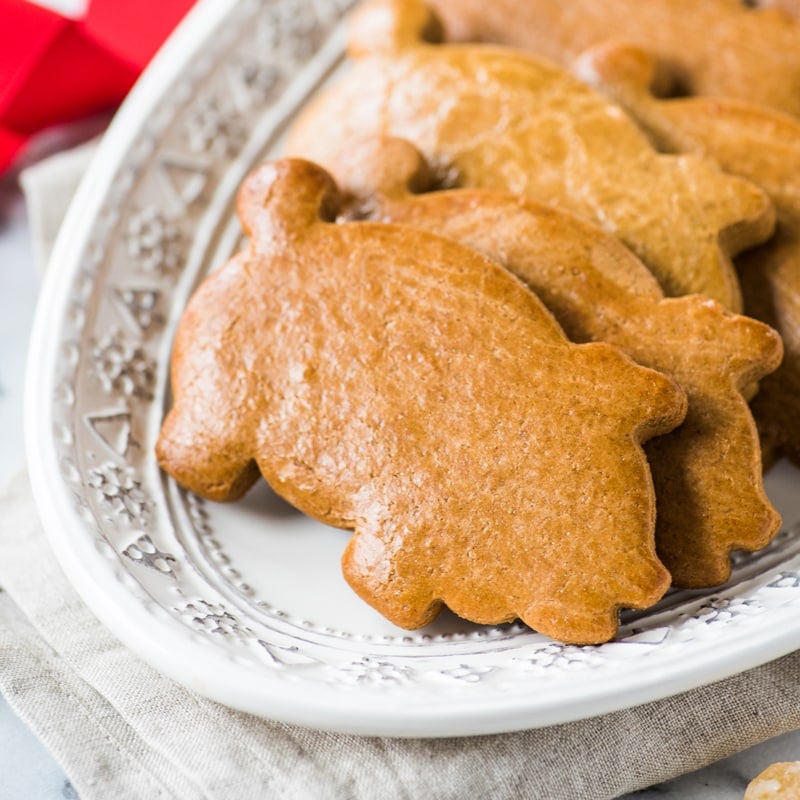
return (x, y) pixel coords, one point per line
(120, 729)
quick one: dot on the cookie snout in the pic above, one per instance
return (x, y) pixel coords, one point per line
(667, 404)
(649, 401)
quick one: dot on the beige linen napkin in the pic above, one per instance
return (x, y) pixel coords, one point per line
(121, 730)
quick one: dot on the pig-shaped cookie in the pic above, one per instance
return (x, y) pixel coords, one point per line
(489, 117)
(401, 385)
(710, 496)
(779, 781)
(719, 48)
(764, 147)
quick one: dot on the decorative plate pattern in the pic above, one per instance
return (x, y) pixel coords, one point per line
(245, 603)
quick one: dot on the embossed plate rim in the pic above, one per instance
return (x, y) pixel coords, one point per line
(379, 708)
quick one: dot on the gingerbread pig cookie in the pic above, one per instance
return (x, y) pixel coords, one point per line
(399, 384)
(777, 782)
(497, 119)
(714, 47)
(710, 497)
(764, 147)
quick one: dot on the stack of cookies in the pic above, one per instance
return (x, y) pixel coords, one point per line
(490, 320)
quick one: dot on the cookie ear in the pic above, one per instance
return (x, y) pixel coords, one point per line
(656, 400)
(630, 70)
(387, 26)
(388, 167)
(284, 197)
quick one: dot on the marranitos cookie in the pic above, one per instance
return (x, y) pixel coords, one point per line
(492, 118)
(764, 147)
(707, 473)
(399, 384)
(714, 47)
(777, 782)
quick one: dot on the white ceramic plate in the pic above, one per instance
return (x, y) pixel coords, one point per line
(245, 603)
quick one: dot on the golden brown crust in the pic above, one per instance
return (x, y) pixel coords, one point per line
(707, 473)
(406, 387)
(764, 147)
(488, 117)
(777, 782)
(719, 48)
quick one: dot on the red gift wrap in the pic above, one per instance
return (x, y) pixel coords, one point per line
(56, 69)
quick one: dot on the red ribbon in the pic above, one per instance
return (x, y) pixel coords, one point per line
(55, 70)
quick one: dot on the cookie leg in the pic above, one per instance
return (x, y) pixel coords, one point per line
(563, 621)
(205, 466)
(586, 611)
(376, 574)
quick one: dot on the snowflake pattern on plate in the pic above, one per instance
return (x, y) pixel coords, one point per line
(154, 241)
(144, 552)
(118, 488)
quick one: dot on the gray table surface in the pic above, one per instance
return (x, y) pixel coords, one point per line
(27, 771)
